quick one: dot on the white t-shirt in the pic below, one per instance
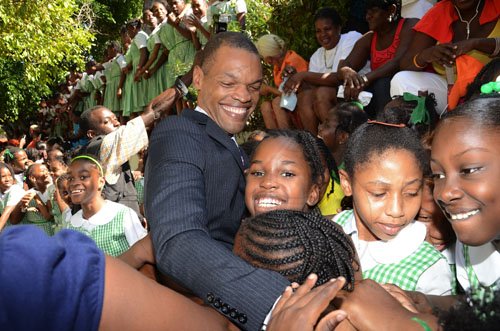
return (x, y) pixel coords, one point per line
(240, 7)
(324, 60)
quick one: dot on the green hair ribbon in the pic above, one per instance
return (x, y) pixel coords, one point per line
(420, 114)
(359, 104)
(490, 87)
(9, 154)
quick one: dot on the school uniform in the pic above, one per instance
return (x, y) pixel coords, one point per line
(407, 260)
(114, 228)
(477, 265)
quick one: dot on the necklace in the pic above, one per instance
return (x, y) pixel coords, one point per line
(470, 21)
(331, 58)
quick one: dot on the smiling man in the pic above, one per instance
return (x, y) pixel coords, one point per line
(195, 186)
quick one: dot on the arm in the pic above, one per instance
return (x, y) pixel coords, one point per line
(316, 78)
(423, 51)
(152, 57)
(175, 183)
(161, 61)
(10, 211)
(142, 61)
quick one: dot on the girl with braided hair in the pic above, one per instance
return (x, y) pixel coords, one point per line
(286, 172)
(297, 243)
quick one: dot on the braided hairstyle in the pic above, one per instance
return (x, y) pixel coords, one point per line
(312, 153)
(333, 170)
(295, 244)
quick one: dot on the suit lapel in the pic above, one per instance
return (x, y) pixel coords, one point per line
(219, 135)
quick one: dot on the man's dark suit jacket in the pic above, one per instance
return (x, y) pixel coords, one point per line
(194, 201)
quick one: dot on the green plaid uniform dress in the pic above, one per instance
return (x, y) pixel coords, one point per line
(109, 237)
(139, 188)
(406, 272)
(36, 218)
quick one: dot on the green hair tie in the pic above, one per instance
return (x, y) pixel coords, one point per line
(359, 104)
(9, 154)
(86, 157)
(490, 87)
(419, 114)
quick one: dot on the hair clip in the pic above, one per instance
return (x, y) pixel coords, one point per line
(400, 125)
(419, 114)
(490, 87)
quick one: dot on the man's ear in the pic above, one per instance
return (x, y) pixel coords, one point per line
(313, 197)
(198, 75)
(343, 137)
(345, 182)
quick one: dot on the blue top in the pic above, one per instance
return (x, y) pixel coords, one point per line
(50, 283)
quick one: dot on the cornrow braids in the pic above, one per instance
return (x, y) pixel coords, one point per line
(312, 153)
(330, 163)
(297, 243)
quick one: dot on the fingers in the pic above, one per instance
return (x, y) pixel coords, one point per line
(331, 320)
(401, 297)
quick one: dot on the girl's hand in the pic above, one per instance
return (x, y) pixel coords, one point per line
(353, 83)
(293, 83)
(300, 309)
(119, 93)
(125, 70)
(415, 302)
(25, 200)
(171, 18)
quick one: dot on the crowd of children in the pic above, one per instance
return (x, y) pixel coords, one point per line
(360, 183)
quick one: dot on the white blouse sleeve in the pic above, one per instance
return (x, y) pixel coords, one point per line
(141, 39)
(436, 280)
(132, 227)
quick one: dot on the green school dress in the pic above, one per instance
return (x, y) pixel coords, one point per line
(112, 72)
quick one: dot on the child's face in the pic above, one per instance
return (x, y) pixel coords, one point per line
(439, 231)
(85, 182)
(279, 178)
(328, 131)
(386, 191)
(20, 162)
(57, 169)
(6, 179)
(63, 188)
(41, 177)
(465, 163)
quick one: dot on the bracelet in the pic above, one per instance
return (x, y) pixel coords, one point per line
(497, 47)
(422, 323)
(415, 63)
(365, 79)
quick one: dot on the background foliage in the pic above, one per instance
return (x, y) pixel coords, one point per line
(40, 40)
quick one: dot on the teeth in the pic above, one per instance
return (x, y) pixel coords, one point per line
(76, 191)
(268, 202)
(463, 216)
(235, 110)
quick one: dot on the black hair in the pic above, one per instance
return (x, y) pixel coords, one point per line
(309, 145)
(326, 155)
(86, 122)
(136, 23)
(8, 167)
(230, 39)
(114, 45)
(479, 310)
(401, 114)
(10, 156)
(386, 4)
(484, 110)
(487, 74)
(372, 139)
(29, 172)
(123, 29)
(349, 117)
(33, 154)
(330, 14)
(297, 243)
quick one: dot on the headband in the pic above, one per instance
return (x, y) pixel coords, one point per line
(359, 104)
(419, 114)
(86, 157)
